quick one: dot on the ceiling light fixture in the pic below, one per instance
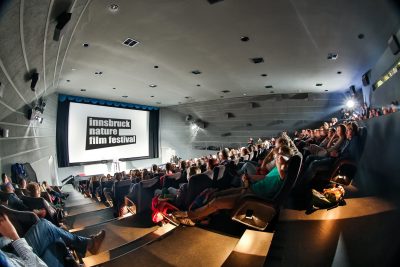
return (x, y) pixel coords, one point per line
(198, 85)
(332, 56)
(83, 90)
(225, 91)
(113, 8)
(244, 94)
(124, 96)
(339, 72)
(361, 36)
(152, 96)
(68, 81)
(114, 88)
(318, 84)
(264, 75)
(156, 67)
(152, 85)
(159, 103)
(244, 39)
(85, 44)
(269, 86)
(257, 60)
(196, 72)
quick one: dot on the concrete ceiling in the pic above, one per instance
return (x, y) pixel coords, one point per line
(179, 36)
(294, 37)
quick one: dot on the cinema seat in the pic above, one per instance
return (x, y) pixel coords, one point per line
(22, 220)
(39, 203)
(257, 212)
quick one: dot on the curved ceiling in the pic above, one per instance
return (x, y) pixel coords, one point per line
(179, 36)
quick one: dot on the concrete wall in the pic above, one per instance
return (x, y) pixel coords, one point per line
(27, 45)
(269, 115)
(30, 141)
(390, 90)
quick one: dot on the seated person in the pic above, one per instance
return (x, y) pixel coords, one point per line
(34, 191)
(13, 200)
(5, 180)
(262, 186)
(37, 242)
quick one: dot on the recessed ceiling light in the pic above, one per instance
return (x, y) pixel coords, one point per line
(124, 96)
(198, 85)
(85, 44)
(152, 96)
(211, 2)
(361, 36)
(244, 38)
(269, 86)
(68, 81)
(196, 72)
(187, 97)
(156, 67)
(326, 90)
(114, 88)
(318, 84)
(73, 69)
(264, 75)
(113, 8)
(332, 56)
(339, 72)
(225, 91)
(98, 73)
(152, 85)
(83, 90)
(257, 60)
(244, 94)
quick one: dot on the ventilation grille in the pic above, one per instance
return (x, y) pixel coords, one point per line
(130, 42)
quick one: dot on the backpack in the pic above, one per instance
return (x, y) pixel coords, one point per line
(17, 172)
(330, 198)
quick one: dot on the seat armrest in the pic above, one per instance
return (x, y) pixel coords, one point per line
(254, 212)
(340, 163)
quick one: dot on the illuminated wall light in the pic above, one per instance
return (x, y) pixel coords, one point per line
(389, 74)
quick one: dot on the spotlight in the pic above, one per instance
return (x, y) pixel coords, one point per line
(350, 103)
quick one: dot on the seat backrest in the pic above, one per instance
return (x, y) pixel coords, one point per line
(22, 220)
(362, 135)
(19, 192)
(143, 193)
(4, 196)
(121, 189)
(292, 173)
(197, 184)
(40, 203)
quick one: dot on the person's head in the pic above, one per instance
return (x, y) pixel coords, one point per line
(351, 130)
(193, 170)
(154, 168)
(212, 163)
(4, 178)
(44, 183)
(341, 130)
(22, 184)
(281, 142)
(326, 126)
(244, 151)
(224, 154)
(168, 167)
(33, 189)
(118, 176)
(331, 132)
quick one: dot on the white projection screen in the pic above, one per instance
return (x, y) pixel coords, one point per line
(97, 133)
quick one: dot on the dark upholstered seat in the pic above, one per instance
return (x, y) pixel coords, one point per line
(22, 220)
(257, 212)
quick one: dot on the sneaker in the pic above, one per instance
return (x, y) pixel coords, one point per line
(186, 221)
(96, 242)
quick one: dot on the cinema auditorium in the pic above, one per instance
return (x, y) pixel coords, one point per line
(199, 133)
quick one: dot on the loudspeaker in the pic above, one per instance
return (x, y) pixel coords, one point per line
(393, 43)
(62, 21)
(365, 78)
(353, 89)
(188, 117)
(34, 80)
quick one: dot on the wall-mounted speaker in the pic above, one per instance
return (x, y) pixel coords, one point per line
(34, 80)
(62, 21)
(365, 78)
(353, 89)
(394, 45)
